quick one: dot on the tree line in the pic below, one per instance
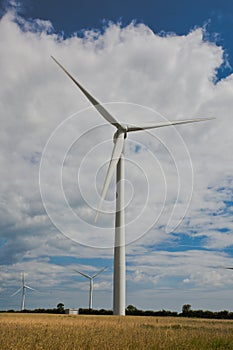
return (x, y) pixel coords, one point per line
(133, 311)
(186, 312)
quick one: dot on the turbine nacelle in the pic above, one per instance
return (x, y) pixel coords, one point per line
(124, 128)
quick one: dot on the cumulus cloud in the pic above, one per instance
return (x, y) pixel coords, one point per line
(141, 77)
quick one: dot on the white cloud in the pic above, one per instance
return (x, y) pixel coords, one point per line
(186, 280)
(173, 75)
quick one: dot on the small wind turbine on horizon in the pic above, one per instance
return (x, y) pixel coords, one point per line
(91, 278)
(23, 288)
(117, 162)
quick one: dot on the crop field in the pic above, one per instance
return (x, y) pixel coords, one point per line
(55, 332)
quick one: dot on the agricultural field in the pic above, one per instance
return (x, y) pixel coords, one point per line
(55, 332)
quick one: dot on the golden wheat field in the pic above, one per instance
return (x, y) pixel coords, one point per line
(55, 332)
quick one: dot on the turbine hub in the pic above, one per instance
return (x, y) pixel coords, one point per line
(118, 132)
(124, 127)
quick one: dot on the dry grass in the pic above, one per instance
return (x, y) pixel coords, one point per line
(55, 332)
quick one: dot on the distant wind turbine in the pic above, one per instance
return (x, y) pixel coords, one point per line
(117, 162)
(23, 288)
(91, 278)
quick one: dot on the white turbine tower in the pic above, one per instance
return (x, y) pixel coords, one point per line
(117, 161)
(23, 288)
(91, 278)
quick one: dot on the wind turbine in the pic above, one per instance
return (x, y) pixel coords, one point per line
(117, 161)
(23, 288)
(91, 278)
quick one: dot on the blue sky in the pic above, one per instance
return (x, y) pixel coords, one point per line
(161, 16)
(150, 60)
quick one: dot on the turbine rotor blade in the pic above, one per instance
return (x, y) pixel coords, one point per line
(116, 154)
(107, 116)
(17, 291)
(162, 124)
(83, 274)
(30, 288)
(23, 279)
(99, 272)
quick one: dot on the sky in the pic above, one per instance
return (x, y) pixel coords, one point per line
(146, 62)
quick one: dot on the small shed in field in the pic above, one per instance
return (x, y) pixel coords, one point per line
(71, 311)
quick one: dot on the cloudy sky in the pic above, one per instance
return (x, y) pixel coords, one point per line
(145, 62)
